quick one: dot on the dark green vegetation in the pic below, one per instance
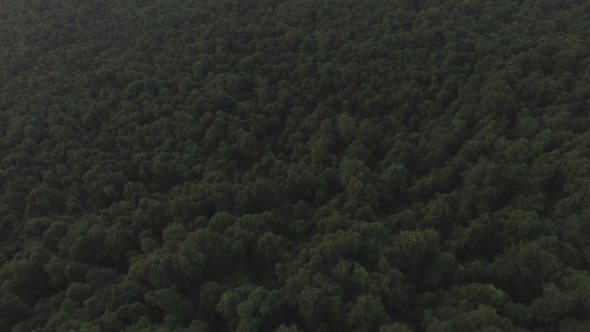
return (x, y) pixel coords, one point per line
(295, 166)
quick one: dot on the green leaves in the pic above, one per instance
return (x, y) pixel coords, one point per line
(523, 266)
(43, 201)
(271, 247)
(262, 165)
(484, 318)
(414, 249)
(553, 305)
(367, 314)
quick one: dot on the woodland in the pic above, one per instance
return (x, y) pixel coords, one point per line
(295, 165)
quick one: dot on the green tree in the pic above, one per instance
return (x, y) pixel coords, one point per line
(43, 201)
(368, 314)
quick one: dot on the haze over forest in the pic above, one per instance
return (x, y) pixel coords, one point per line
(295, 165)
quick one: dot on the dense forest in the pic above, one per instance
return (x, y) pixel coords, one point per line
(295, 165)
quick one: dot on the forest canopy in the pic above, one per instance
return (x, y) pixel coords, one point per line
(294, 165)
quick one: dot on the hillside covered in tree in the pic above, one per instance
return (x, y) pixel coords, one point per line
(295, 165)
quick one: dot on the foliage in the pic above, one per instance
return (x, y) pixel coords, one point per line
(294, 165)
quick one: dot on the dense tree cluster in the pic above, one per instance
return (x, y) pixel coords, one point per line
(294, 165)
